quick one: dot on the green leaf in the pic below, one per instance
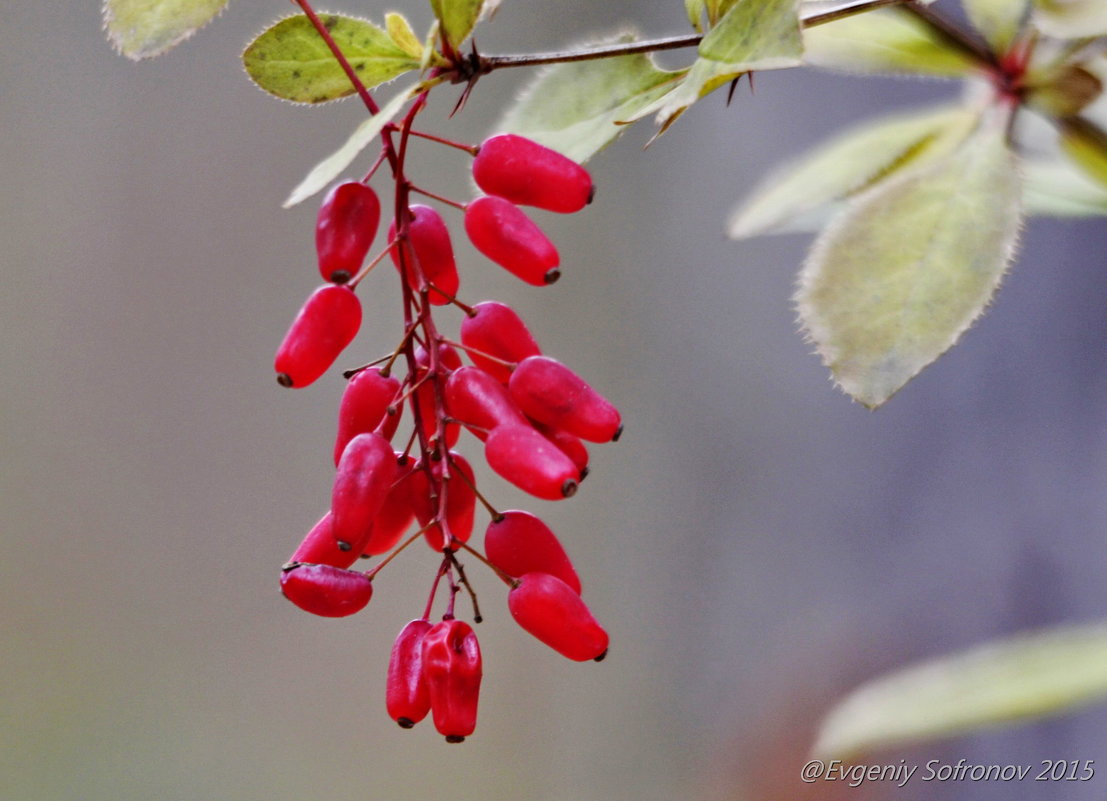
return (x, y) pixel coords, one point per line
(694, 9)
(848, 163)
(752, 35)
(1027, 676)
(401, 34)
(1086, 144)
(332, 166)
(146, 28)
(1070, 19)
(290, 59)
(998, 20)
(1058, 189)
(888, 40)
(576, 108)
(457, 18)
(894, 281)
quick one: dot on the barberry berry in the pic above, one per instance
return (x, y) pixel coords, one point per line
(344, 230)
(460, 501)
(551, 393)
(495, 329)
(429, 256)
(364, 405)
(362, 482)
(325, 325)
(525, 172)
(519, 543)
(452, 666)
(407, 695)
(321, 548)
(475, 398)
(552, 611)
(505, 234)
(326, 590)
(531, 462)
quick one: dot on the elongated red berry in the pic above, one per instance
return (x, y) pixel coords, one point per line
(519, 543)
(530, 174)
(460, 502)
(475, 398)
(553, 612)
(505, 234)
(321, 548)
(395, 516)
(362, 482)
(344, 230)
(407, 695)
(430, 248)
(531, 462)
(364, 405)
(452, 666)
(495, 329)
(427, 397)
(325, 590)
(551, 393)
(569, 444)
(325, 325)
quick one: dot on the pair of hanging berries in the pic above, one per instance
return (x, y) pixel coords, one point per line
(532, 413)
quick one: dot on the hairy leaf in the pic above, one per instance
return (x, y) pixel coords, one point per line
(998, 20)
(752, 35)
(888, 40)
(910, 264)
(332, 166)
(1071, 19)
(694, 9)
(576, 108)
(146, 28)
(399, 30)
(1086, 144)
(850, 162)
(457, 18)
(290, 59)
(1058, 189)
(1027, 676)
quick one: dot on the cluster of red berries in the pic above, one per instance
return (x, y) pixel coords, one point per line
(530, 411)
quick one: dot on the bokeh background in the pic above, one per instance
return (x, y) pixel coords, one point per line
(756, 544)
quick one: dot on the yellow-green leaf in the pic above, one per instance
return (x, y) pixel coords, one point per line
(1086, 144)
(998, 20)
(1027, 676)
(399, 30)
(1071, 19)
(290, 59)
(694, 9)
(457, 18)
(1058, 189)
(848, 163)
(146, 28)
(888, 40)
(332, 166)
(576, 108)
(893, 282)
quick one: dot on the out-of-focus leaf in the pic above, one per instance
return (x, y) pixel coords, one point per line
(1070, 19)
(893, 282)
(1036, 674)
(1058, 189)
(457, 18)
(888, 40)
(146, 28)
(694, 9)
(998, 20)
(290, 59)
(575, 108)
(752, 35)
(1062, 91)
(332, 166)
(1086, 144)
(399, 30)
(851, 161)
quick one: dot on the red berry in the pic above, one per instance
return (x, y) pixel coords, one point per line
(461, 501)
(320, 547)
(497, 330)
(395, 515)
(531, 462)
(345, 229)
(570, 445)
(551, 393)
(326, 590)
(326, 324)
(426, 396)
(553, 612)
(520, 543)
(430, 250)
(477, 399)
(364, 405)
(452, 666)
(406, 693)
(362, 482)
(505, 234)
(525, 172)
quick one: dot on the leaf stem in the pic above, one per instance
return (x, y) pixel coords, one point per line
(954, 36)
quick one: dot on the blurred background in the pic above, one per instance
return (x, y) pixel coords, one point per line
(756, 544)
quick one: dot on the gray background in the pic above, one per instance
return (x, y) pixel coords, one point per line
(756, 545)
